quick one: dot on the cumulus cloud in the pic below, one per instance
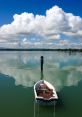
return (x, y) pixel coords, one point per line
(43, 29)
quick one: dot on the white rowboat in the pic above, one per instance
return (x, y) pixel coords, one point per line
(45, 93)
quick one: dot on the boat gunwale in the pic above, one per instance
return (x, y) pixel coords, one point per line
(55, 97)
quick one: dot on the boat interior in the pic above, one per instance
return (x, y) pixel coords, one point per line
(44, 91)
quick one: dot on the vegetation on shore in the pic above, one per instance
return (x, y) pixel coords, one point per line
(39, 49)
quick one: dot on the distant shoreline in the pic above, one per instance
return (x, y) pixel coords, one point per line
(31, 49)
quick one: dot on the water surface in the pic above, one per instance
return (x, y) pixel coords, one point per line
(19, 71)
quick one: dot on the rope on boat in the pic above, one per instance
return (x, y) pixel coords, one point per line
(34, 109)
(54, 111)
(36, 115)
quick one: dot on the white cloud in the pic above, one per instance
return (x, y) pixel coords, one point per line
(55, 23)
(64, 42)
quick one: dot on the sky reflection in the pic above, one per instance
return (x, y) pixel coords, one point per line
(61, 69)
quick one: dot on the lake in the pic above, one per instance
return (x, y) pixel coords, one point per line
(20, 70)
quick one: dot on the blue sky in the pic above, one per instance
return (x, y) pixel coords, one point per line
(9, 7)
(41, 23)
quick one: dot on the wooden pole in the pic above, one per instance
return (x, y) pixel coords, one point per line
(42, 62)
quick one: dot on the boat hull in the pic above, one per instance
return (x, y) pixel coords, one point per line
(45, 98)
(46, 102)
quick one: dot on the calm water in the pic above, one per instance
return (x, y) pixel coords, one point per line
(20, 70)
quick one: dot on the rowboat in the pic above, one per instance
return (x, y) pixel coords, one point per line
(45, 93)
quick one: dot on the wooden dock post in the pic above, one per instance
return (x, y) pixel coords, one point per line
(42, 62)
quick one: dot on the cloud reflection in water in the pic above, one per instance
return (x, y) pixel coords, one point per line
(61, 69)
